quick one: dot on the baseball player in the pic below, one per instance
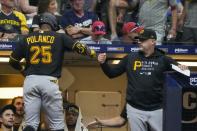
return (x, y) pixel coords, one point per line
(43, 51)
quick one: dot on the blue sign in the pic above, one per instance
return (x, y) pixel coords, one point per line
(169, 49)
(7, 46)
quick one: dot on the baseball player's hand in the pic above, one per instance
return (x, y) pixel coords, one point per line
(83, 49)
(90, 52)
(183, 67)
(102, 58)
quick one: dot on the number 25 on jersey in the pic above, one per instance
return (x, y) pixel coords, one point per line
(44, 52)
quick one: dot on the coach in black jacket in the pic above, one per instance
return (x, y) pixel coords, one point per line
(145, 82)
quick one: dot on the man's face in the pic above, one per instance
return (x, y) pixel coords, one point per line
(78, 4)
(8, 3)
(19, 104)
(145, 45)
(132, 35)
(71, 118)
(7, 118)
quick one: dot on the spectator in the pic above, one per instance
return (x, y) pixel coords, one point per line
(189, 20)
(152, 15)
(73, 118)
(46, 6)
(19, 116)
(169, 38)
(112, 13)
(98, 31)
(130, 30)
(7, 118)
(118, 121)
(24, 7)
(77, 22)
(145, 82)
(11, 22)
(64, 6)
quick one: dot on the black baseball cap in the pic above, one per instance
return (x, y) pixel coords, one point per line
(8, 107)
(146, 34)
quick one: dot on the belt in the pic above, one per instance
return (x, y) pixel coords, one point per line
(54, 81)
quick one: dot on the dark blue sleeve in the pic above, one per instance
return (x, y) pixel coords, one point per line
(64, 21)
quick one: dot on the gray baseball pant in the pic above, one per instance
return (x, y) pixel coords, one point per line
(43, 91)
(144, 120)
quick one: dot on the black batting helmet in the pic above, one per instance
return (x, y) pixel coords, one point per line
(50, 19)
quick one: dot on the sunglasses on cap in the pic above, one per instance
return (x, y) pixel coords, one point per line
(99, 28)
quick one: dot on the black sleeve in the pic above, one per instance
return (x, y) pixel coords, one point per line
(115, 70)
(20, 50)
(16, 56)
(169, 61)
(124, 113)
(68, 42)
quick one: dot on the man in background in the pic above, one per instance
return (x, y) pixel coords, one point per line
(130, 30)
(19, 116)
(12, 22)
(73, 118)
(7, 118)
(77, 22)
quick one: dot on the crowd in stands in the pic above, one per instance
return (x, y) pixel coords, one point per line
(174, 21)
